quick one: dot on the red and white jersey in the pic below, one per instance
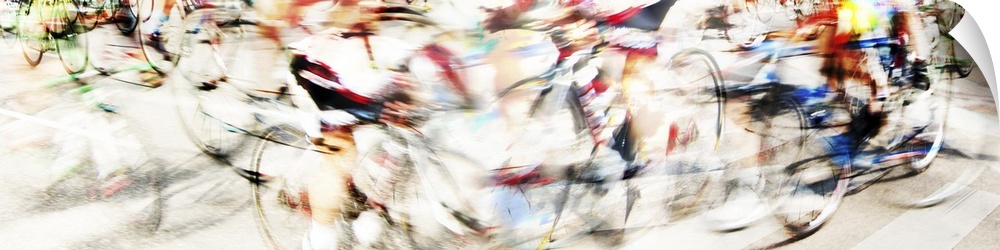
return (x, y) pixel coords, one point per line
(347, 67)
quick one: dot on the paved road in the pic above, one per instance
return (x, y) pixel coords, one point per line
(40, 214)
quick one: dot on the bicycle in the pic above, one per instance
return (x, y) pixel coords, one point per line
(290, 134)
(946, 16)
(187, 19)
(731, 23)
(55, 26)
(96, 160)
(224, 88)
(120, 12)
(9, 13)
(829, 168)
(430, 160)
(192, 194)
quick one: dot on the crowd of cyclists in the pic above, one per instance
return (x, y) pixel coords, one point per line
(352, 71)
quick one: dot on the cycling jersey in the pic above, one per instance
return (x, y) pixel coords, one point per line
(339, 74)
(863, 15)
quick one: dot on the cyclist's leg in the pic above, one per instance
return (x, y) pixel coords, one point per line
(328, 188)
(913, 27)
(918, 41)
(633, 81)
(168, 5)
(159, 16)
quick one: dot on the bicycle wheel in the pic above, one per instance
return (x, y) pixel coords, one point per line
(562, 213)
(104, 166)
(9, 14)
(9, 37)
(745, 31)
(739, 196)
(161, 54)
(809, 191)
(222, 111)
(215, 119)
(32, 34)
(949, 15)
(123, 14)
(429, 193)
(111, 52)
(676, 116)
(91, 13)
(73, 50)
(59, 17)
(915, 136)
(281, 218)
(923, 115)
(199, 194)
(692, 80)
(763, 10)
(963, 62)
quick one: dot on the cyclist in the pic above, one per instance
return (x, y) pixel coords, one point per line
(630, 27)
(852, 19)
(350, 93)
(272, 12)
(350, 77)
(274, 17)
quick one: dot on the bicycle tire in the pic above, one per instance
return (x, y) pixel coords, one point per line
(952, 59)
(915, 143)
(91, 12)
(162, 56)
(915, 135)
(123, 14)
(73, 51)
(59, 17)
(110, 52)
(427, 204)
(32, 45)
(131, 188)
(221, 107)
(9, 37)
(711, 94)
(965, 68)
(684, 144)
(200, 193)
(532, 106)
(930, 140)
(745, 32)
(218, 121)
(757, 9)
(824, 179)
(546, 108)
(781, 125)
(950, 15)
(279, 228)
(581, 208)
(8, 21)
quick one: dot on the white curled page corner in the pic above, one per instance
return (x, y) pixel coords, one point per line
(975, 39)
